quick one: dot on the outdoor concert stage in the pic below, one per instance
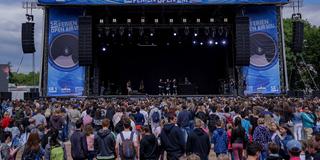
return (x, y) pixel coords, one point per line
(223, 47)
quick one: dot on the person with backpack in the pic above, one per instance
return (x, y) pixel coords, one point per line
(220, 140)
(171, 140)
(198, 141)
(149, 148)
(32, 149)
(55, 150)
(104, 142)
(127, 144)
(155, 118)
(78, 141)
(213, 118)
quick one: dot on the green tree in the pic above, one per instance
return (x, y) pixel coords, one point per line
(25, 79)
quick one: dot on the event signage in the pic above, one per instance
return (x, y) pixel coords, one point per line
(65, 76)
(263, 74)
(102, 2)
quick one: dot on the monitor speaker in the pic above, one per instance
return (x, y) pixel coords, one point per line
(31, 96)
(298, 36)
(5, 95)
(27, 36)
(242, 41)
(85, 40)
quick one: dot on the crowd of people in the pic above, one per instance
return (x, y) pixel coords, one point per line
(198, 128)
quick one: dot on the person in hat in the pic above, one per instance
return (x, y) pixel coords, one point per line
(294, 149)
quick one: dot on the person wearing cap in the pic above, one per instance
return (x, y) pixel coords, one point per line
(294, 149)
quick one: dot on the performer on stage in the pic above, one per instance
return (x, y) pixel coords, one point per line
(168, 89)
(141, 87)
(161, 87)
(129, 89)
(174, 87)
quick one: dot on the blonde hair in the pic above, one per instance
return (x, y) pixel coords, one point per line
(223, 157)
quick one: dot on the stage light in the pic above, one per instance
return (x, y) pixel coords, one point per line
(156, 20)
(174, 34)
(143, 20)
(128, 20)
(198, 20)
(101, 21)
(210, 42)
(201, 43)
(184, 20)
(194, 42)
(171, 20)
(141, 31)
(104, 49)
(225, 20)
(114, 20)
(211, 20)
(151, 34)
(129, 34)
(224, 42)
(195, 34)
(216, 43)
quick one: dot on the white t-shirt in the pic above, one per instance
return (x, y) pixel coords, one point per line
(126, 135)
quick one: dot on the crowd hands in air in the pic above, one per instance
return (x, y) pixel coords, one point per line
(223, 128)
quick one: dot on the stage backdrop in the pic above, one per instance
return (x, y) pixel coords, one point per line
(65, 77)
(101, 2)
(263, 75)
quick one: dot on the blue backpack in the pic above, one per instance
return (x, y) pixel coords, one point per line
(127, 147)
(155, 117)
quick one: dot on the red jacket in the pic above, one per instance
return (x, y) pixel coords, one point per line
(5, 122)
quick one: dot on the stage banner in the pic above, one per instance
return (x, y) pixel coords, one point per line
(263, 74)
(102, 2)
(65, 76)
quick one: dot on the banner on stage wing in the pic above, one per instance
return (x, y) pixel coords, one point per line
(102, 2)
(65, 76)
(263, 74)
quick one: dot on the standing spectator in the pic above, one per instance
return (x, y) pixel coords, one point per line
(87, 119)
(145, 115)
(261, 135)
(238, 140)
(78, 143)
(149, 145)
(39, 118)
(74, 115)
(286, 136)
(90, 141)
(308, 121)
(183, 120)
(127, 144)
(57, 121)
(297, 122)
(171, 140)
(5, 120)
(139, 119)
(198, 141)
(55, 150)
(273, 152)
(7, 152)
(220, 140)
(105, 142)
(253, 151)
(32, 149)
(155, 118)
(294, 148)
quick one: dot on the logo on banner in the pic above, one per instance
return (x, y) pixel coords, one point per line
(262, 49)
(64, 51)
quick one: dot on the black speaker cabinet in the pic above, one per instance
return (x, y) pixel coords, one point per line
(27, 36)
(242, 41)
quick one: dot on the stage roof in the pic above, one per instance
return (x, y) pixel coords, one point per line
(158, 2)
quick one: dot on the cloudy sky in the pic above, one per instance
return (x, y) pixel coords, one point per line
(12, 15)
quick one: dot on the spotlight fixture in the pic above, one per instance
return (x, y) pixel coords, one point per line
(196, 32)
(225, 20)
(143, 20)
(194, 42)
(114, 20)
(128, 20)
(210, 42)
(101, 21)
(104, 49)
(201, 43)
(211, 20)
(224, 42)
(216, 43)
(171, 20)
(184, 20)
(198, 20)
(156, 20)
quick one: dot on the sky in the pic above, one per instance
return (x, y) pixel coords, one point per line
(12, 15)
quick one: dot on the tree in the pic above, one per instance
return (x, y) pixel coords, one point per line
(24, 79)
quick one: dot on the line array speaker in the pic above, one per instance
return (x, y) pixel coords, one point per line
(298, 35)
(27, 37)
(85, 40)
(242, 41)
